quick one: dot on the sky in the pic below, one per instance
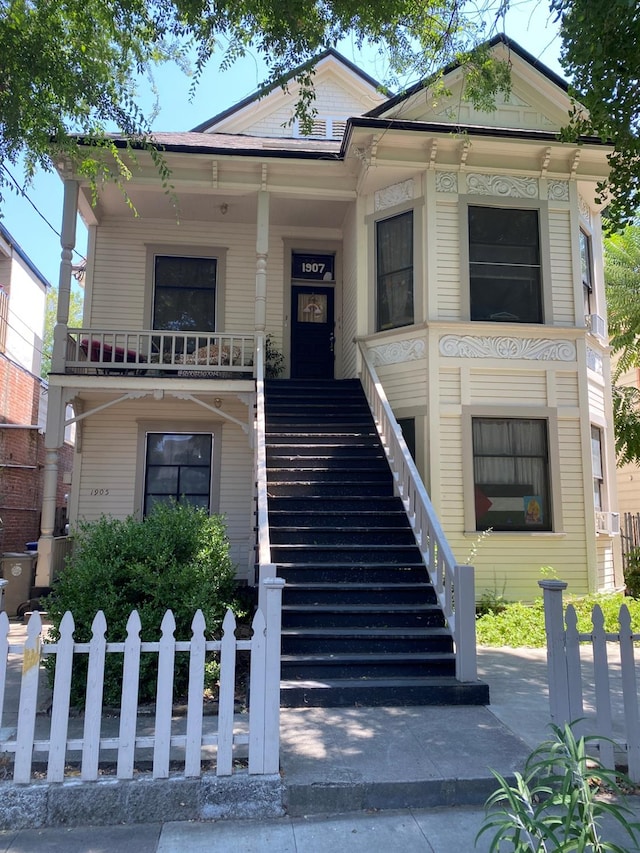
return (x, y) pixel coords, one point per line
(527, 22)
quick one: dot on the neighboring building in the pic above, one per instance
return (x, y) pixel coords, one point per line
(460, 250)
(628, 475)
(23, 399)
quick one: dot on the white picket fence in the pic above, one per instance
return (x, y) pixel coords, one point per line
(567, 681)
(262, 738)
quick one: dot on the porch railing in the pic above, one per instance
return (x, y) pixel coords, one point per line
(214, 354)
(266, 569)
(454, 584)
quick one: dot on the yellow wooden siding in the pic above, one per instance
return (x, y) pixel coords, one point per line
(109, 465)
(501, 387)
(567, 388)
(449, 385)
(596, 400)
(561, 268)
(404, 383)
(448, 262)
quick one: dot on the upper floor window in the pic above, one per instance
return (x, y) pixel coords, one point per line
(184, 293)
(586, 267)
(394, 271)
(596, 461)
(511, 473)
(505, 279)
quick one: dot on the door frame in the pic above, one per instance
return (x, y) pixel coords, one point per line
(310, 247)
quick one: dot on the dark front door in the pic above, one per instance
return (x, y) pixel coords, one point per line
(312, 332)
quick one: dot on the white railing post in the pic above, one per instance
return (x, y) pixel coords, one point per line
(465, 622)
(273, 615)
(559, 702)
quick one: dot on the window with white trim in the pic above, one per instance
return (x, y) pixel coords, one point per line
(178, 467)
(394, 271)
(511, 474)
(505, 270)
(597, 467)
(586, 269)
(184, 293)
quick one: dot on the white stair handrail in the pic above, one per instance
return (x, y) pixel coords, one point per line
(266, 569)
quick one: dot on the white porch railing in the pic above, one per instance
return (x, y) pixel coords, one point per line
(262, 738)
(266, 569)
(566, 682)
(453, 583)
(181, 353)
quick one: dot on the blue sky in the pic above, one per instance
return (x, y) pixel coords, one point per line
(527, 22)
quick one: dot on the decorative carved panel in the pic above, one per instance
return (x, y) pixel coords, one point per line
(395, 194)
(535, 349)
(398, 352)
(558, 190)
(446, 182)
(502, 185)
(585, 210)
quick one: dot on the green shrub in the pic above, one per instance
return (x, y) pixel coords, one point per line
(519, 624)
(632, 573)
(176, 558)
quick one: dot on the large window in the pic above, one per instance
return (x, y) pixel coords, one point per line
(511, 474)
(505, 279)
(178, 467)
(184, 293)
(394, 271)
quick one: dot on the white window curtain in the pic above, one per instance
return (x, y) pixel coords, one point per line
(512, 452)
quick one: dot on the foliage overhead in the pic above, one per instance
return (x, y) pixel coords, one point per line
(622, 278)
(601, 56)
(72, 67)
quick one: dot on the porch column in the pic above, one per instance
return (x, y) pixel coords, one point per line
(68, 242)
(53, 439)
(262, 253)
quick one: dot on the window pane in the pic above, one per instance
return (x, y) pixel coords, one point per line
(504, 269)
(511, 474)
(184, 294)
(178, 468)
(394, 269)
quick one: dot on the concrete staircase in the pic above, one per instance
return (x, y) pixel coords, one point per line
(361, 624)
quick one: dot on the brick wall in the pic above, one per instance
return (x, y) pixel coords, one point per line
(22, 458)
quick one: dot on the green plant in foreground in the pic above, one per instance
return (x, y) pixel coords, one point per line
(558, 804)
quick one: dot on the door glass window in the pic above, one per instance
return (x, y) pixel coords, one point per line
(312, 308)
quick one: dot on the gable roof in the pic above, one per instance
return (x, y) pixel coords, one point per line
(278, 84)
(501, 38)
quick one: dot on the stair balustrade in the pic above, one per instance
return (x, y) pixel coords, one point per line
(453, 583)
(266, 569)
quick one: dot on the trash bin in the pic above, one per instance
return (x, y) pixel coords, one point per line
(18, 570)
(3, 584)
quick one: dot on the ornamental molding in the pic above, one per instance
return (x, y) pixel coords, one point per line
(395, 194)
(585, 210)
(398, 352)
(502, 185)
(558, 190)
(446, 182)
(534, 349)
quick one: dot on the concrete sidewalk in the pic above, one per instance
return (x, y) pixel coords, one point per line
(370, 779)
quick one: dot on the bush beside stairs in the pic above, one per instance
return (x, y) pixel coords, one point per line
(361, 623)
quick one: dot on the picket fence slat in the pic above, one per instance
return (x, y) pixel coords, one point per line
(195, 710)
(162, 740)
(129, 701)
(603, 686)
(224, 766)
(574, 667)
(28, 701)
(629, 692)
(61, 701)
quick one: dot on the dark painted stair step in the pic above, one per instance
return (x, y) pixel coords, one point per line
(306, 454)
(326, 518)
(338, 426)
(410, 571)
(339, 503)
(362, 616)
(304, 641)
(357, 438)
(338, 537)
(341, 488)
(398, 691)
(358, 554)
(385, 665)
(327, 476)
(350, 594)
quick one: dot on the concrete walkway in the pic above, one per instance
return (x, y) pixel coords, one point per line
(364, 779)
